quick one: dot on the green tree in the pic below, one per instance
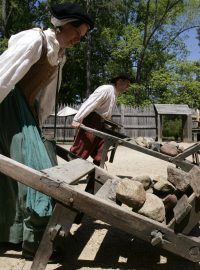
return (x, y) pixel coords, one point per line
(18, 15)
(142, 38)
(177, 83)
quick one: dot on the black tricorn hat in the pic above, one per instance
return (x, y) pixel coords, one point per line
(71, 10)
(122, 76)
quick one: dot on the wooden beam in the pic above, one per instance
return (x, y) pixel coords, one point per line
(62, 218)
(124, 219)
(72, 173)
(132, 145)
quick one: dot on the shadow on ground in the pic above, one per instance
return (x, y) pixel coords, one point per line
(117, 250)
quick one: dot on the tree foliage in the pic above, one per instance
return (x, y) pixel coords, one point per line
(140, 37)
(177, 83)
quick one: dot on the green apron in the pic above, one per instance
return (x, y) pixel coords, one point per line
(24, 212)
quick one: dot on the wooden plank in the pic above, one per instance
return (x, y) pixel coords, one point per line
(102, 176)
(187, 152)
(108, 190)
(70, 172)
(161, 125)
(184, 165)
(177, 109)
(140, 127)
(98, 208)
(115, 133)
(136, 115)
(187, 128)
(122, 117)
(159, 128)
(195, 158)
(63, 218)
(190, 220)
(107, 144)
(113, 151)
(64, 153)
(192, 216)
(181, 209)
(128, 144)
(195, 180)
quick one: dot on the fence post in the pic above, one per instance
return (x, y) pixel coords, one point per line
(122, 117)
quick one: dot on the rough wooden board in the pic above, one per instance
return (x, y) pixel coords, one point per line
(190, 220)
(195, 180)
(64, 153)
(70, 172)
(108, 190)
(62, 216)
(121, 218)
(181, 209)
(187, 152)
(113, 139)
(107, 145)
(179, 109)
(102, 176)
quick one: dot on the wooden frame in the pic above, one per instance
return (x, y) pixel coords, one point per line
(60, 182)
(114, 141)
(174, 109)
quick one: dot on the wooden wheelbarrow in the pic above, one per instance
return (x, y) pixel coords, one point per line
(113, 139)
(61, 182)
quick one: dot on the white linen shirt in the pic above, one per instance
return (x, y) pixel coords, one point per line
(24, 49)
(102, 101)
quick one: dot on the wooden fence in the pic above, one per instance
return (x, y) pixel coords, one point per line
(136, 122)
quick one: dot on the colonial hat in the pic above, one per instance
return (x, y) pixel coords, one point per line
(71, 11)
(122, 76)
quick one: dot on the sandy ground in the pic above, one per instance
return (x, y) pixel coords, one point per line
(95, 245)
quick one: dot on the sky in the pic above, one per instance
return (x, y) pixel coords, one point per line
(192, 45)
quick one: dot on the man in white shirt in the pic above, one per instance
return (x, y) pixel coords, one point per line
(94, 110)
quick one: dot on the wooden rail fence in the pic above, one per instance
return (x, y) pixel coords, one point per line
(136, 122)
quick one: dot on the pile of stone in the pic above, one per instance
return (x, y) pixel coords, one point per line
(153, 198)
(168, 148)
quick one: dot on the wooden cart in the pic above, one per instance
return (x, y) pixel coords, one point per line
(112, 139)
(62, 183)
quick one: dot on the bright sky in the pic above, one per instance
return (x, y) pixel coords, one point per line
(192, 44)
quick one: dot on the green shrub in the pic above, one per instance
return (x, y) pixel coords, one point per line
(172, 127)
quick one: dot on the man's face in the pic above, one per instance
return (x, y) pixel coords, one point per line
(123, 85)
(71, 35)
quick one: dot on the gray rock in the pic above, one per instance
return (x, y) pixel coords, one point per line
(131, 193)
(170, 201)
(153, 208)
(139, 141)
(148, 141)
(145, 180)
(163, 185)
(149, 190)
(178, 178)
(156, 146)
(159, 178)
(145, 141)
(174, 143)
(169, 149)
(181, 149)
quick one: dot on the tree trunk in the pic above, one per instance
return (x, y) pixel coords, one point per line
(88, 66)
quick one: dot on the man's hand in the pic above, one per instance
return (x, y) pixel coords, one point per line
(75, 124)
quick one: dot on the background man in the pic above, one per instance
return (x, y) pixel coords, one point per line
(94, 110)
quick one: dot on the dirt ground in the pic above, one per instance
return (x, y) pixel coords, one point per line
(95, 245)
